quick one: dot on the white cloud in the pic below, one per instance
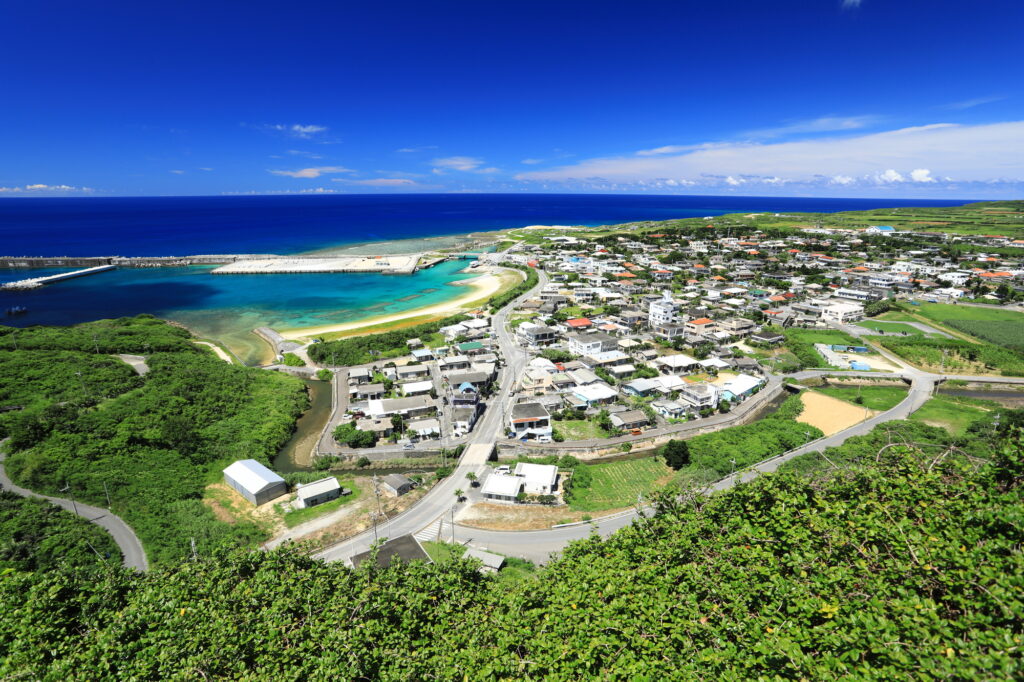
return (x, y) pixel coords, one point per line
(177, 172)
(735, 182)
(971, 103)
(531, 162)
(921, 175)
(382, 182)
(308, 155)
(413, 150)
(851, 4)
(459, 163)
(311, 172)
(972, 153)
(823, 124)
(296, 130)
(39, 188)
(890, 175)
(668, 149)
(204, 168)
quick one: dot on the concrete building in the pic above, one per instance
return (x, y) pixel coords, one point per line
(530, 420)
(589, 344)
(538, 479)
(843, 312)
(663, 311)
(255, 482)
(317, 492)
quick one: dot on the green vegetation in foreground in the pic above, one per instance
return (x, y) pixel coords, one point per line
(801, 342)
(614, 485)
(1001, 327)
(297, 516)
(902, 563)
(955, 356)
(878, 398)
(953, 413)
(513, 571)
(154, 442)
(38, 536)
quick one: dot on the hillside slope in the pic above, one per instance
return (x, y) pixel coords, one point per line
(904, 566)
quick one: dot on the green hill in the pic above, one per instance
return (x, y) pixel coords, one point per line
(904, 565)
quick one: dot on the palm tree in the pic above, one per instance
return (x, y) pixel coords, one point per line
(459, 492)
(472, 478)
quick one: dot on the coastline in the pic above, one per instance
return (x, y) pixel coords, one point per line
(491, 282)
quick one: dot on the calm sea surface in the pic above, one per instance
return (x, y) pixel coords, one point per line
(228, 307)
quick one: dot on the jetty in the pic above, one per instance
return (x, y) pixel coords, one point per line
(36, 282)
(388, 265)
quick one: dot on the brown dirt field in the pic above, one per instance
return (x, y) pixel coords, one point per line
(357, 517)
(829, 414)
(226, 502)
(490, 516)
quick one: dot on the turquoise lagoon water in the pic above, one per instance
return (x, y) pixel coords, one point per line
(229, 307)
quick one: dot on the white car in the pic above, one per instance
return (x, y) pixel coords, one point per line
(543, 439)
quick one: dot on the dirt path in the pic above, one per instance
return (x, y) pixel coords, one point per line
(216, 349)
(829, 414)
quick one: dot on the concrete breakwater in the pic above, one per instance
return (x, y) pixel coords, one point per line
(35, 282)
(242, 263)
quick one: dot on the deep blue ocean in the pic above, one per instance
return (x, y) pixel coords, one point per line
(228, 307)
(169, 226)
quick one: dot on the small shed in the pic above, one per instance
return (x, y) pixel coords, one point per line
(254, 482)
(492, 563)
(404, 548)
(317, 492)
(396, 484)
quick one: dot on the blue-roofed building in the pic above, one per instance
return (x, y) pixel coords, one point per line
(861, 366)
(881, 229)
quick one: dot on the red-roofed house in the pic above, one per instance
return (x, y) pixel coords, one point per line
(579, 323)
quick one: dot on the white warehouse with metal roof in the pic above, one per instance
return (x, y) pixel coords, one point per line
(254, 482)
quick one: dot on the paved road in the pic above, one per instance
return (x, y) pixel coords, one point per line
(124, 536)
(441, 498)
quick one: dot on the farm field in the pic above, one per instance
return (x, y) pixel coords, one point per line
(879, 398)
(951, 413)
(616, 484)
(955, 356)
(1002, 327)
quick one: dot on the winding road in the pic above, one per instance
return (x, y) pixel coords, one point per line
(131, 549)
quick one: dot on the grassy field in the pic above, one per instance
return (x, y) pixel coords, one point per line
(951, 413)
(297, 516)
(578, 429)
(617, 484)
(892, 327)
(879, 398)
(800, 342)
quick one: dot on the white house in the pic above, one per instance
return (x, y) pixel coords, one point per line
(663, 311)
(317, 492)
(843, 312)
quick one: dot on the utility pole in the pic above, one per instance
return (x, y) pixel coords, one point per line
(102, 558)
(453, 524)
(376, 491)
(107, 493)
(195, 554)
(67, 489)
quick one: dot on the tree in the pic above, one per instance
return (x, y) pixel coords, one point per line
(363, 462)
(472, 479)
(676, 453)
(459, 492)
(324, 374)
(292, 360)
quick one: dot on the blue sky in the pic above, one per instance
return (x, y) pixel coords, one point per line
(886, 98)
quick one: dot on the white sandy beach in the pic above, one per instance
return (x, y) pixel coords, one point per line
(484, 286)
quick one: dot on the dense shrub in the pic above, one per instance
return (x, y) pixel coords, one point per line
(37, 536)
(158, 444)
(906, 568)
(955, 354)
(360, 350)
